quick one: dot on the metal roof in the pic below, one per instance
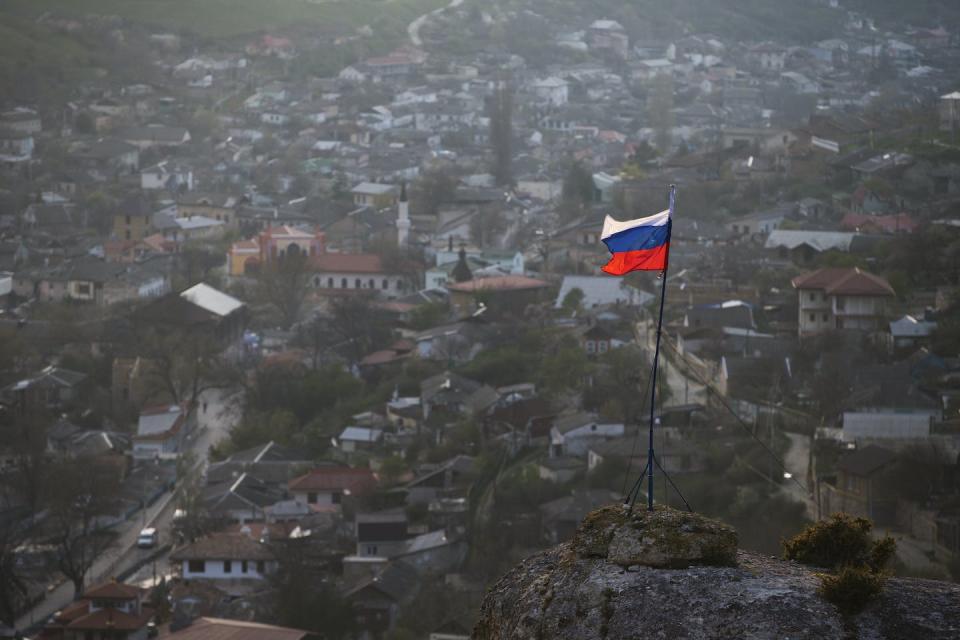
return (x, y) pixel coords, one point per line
(212, 300)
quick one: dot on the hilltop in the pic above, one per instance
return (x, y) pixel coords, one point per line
(682, 577)
(228, 18)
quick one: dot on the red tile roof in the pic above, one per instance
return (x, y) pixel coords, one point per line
(900, 223)
(845, 282)
(113, 590)
(348, 263)
(356, 480)
(224, 546)
(499, 283)
(109, 618)
(217, 629)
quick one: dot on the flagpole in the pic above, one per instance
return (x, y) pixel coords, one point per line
(656, 355)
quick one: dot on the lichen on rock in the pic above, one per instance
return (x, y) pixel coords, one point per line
(592, 589)
(663, 537)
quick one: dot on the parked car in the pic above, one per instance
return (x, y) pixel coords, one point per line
(148, 538)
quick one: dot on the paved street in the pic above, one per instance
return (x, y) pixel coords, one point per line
(223, 409)
(683, 390)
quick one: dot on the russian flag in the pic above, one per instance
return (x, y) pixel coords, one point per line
(637, 245)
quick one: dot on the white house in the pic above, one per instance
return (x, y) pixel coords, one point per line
(573, 434)
(344, 271)
(325, 487)
(841, 298)
(882, 424)
(359, 439)
(552, 91)
(224, 557)
(167, 175)
(160, 431)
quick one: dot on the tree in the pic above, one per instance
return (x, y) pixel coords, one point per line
(183, 363)
(355, 320)
(428, 315)
(14, 586)
(578, 184)
(284, 283)
(487, 225)
(392, 469)
(660, 110)
(192, 519)
(84, 123)
(304, 598)
(196, 264)
(432, 189)
(500, 110)
(82, 495)
(573, 299)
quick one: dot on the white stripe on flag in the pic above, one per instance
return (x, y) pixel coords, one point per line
(611, 226)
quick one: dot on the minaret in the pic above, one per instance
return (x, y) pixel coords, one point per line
(403, 217)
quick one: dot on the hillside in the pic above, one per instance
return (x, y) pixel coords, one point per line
(226, 18)
(677, 575)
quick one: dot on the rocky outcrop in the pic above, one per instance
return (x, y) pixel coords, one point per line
(615, 581)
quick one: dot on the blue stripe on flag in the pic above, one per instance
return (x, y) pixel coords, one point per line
(638, 238)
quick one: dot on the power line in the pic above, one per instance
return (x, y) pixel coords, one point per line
(736, 416)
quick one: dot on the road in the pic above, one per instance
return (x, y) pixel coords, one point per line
(683, 390)
(413, 29)
(797, 462)
(219, 410)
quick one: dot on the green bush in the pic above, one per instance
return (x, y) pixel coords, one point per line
(838, 542)
(843, 545)
(852, 588)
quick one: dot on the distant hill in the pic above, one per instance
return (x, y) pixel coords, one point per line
(42, 61)
(226, 18)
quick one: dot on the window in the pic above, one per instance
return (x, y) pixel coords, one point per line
(330, 282)
(357, 284)
(825, 317)
(243, 566)
(343, 283)
(371, 549)
(386, 283)
(591, 346)
(227, 566)
(316, 281)
(83, 289)
(813, 297)
(372, 284)
(841, 303)
(602, 346)
(261, 567)
(196, 566)
(128, 219)
(813, 317)
(312, 498)
(336, 498)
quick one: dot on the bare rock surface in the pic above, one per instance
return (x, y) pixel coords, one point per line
(579, 590)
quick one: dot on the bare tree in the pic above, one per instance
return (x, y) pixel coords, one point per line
(15, 530)
(501, 132)
(182, 364)
(82, 497)
(356, 321)
(284, 284)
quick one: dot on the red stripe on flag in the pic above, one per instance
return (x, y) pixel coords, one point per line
(643, 260)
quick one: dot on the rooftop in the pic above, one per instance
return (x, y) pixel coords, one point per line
(844, 281)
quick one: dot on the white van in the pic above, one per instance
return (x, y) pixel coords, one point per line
(147, 538)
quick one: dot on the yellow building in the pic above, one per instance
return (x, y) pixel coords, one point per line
(244, 257)
(131, 227)
(218, 207)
